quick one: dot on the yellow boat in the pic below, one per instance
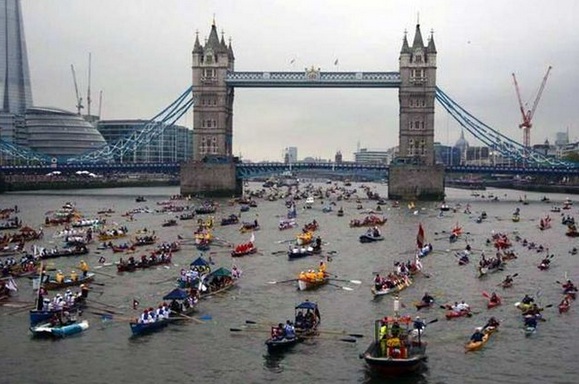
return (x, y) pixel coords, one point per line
(476, 345)
(305, 238)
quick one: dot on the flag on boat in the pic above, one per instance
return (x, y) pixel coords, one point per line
(252, 239)
(420, 237)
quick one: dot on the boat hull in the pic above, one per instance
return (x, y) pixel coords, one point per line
(279, 346)
(139, 329)
(305, 285)
(46, 330)
(388, 366)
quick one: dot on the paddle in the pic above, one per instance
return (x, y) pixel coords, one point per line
(432, 321)
(283, 281)
(186, 317)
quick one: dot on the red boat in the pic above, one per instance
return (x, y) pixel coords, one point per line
(453, 314)
(492, 304)
(564, 307)
(244, 249)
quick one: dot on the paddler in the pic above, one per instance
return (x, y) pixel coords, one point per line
(477, 336)
(59, 277)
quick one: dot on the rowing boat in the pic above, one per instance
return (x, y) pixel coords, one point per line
(44, 330)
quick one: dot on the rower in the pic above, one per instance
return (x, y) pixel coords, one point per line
(527, 300)
(419, 324)
(491, 323)
(494, 298)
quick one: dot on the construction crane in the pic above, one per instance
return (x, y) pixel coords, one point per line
(528, 115)
(79, 105)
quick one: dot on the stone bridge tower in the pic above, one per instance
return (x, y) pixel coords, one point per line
(413, 173)
(212, 169)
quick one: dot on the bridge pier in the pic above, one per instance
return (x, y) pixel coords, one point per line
(416, 182)
(210, 179)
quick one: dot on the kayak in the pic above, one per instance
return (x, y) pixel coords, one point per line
(422, 305)
(522, 306)
(476, 345)
(564, 308)
(492, 304)
(530, 330)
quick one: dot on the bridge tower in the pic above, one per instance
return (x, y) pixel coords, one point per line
(211, 170)
(413, 174)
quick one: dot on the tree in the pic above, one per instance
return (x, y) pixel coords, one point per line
(572, 156)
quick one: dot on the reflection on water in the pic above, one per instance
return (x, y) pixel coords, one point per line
(273, 362)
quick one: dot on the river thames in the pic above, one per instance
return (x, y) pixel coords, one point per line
(207, 352)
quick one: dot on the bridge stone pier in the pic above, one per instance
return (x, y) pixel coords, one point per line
(413, 174)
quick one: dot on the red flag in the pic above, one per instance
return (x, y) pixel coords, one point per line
(420, 237)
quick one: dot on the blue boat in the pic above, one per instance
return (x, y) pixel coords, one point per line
(48, 330)
(139, 329)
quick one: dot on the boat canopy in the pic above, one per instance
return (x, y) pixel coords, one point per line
(307, 305)
(221, 272)
(200, 261)
(176, 294)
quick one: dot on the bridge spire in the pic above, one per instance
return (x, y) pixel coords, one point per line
(418, 42)
(405, 47)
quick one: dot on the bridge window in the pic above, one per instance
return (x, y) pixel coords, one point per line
(209, 72)
(418, 59)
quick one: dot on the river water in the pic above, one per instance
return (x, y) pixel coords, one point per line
(207, 352)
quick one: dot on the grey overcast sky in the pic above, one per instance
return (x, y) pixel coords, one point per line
(141, 60)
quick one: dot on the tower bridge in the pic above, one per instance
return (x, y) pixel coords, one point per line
(414, 175)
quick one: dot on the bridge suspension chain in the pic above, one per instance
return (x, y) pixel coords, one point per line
(494, 139)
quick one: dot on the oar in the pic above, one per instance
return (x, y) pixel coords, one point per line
(432, 321)
(104, 274)
(101, 303)
(163, 281)
(341, 286)
(248, 330)
(283, 281)
(186, 317)
(348, 281)
(358, 335)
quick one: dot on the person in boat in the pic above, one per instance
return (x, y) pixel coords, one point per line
(73, 276)
(531, 321)
(463, 307)
(395, 330)
(546, 261)
(289, 330)
(527, 300)
(309, 319)
(427, 298)
(376, 232)
(477, 336)
(59, 277)
(494, 298)
(322, 267)
(300, 320)
(419, 324)
(83, 267)
(534, 310)
(491, 323)
(84, 291)
(565, 302)
(508, 280)
(278, 333)
(569, 287)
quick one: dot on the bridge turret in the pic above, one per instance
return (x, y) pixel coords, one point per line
(213, 109)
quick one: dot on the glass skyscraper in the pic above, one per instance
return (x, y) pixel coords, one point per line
(15, 89)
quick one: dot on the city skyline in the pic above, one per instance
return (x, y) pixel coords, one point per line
(141, 60)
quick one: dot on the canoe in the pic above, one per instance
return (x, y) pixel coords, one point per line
(59, 331)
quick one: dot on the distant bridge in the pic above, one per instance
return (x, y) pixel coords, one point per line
(250, 170)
